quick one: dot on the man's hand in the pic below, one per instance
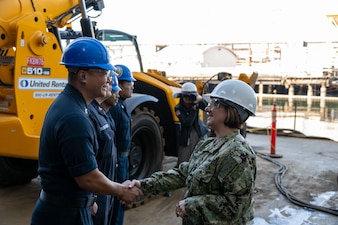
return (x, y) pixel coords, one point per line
(94, 209)
(199, 98)
(132, 183)
(131, 192)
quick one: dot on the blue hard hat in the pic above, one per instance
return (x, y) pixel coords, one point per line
(124, 73)
(86, 52)
(115, 82)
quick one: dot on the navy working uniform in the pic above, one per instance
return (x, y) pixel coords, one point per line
(66, 151)
(220, 175)
(106, 157)
(122, 119)
(220, 179)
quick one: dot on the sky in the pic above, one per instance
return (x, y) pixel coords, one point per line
(220, 21)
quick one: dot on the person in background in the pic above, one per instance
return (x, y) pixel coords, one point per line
(113, 99)
(106, 155)
(220, 175)
(67, 165)
(192, 127)
(122, 119)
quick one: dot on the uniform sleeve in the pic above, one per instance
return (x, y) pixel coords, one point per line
(115, 114)
(165, 181)
(203, 104)
(78, 145)
(236, 175)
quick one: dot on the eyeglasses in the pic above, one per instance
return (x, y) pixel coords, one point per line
(104, 72)
(216, 103)
(110, 80)
(115, 92)
(128, 84)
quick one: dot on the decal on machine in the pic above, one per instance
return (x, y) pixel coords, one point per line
(45, 94)
(41, 84)
(34, 61)
(26, 70)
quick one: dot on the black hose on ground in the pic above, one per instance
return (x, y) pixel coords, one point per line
(278, 181)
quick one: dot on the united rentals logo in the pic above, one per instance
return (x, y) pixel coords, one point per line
(42, 84)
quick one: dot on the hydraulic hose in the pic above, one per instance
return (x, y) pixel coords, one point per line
(278, 181)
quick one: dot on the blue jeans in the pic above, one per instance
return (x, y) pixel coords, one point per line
(122, 175)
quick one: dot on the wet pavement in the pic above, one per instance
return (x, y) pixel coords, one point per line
(312, 173)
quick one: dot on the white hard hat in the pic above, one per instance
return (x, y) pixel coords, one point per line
(189, 87)
(237, 92)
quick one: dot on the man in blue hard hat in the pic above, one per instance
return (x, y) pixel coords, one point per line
(106, 154)
(122, 120)
(67, 164)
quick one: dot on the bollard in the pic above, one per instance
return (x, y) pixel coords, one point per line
(273, 130)
(273, 133)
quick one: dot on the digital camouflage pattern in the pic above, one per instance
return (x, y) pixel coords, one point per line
(220, 179)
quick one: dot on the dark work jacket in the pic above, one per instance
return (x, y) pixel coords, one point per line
(122, 120)
(67, 146)
(106, 158)
(189, 119)
(105, 130)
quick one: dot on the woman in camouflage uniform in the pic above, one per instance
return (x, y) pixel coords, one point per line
(221, 172)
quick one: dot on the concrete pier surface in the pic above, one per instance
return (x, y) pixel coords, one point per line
(311, 176)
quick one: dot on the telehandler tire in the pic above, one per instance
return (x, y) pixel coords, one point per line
(15, 171)
(147, 147)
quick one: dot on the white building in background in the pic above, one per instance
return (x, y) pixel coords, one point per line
(192, 60)
(282, 59)
(219, 56)
(295, 59)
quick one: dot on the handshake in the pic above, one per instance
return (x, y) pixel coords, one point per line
(130, 192)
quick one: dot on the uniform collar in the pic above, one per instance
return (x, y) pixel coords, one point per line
(218, 143)
(76, 94)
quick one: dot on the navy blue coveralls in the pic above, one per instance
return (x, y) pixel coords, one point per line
(67, 146)
(106, 157)
(122, 120)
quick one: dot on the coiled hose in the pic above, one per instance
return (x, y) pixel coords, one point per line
(278, 181)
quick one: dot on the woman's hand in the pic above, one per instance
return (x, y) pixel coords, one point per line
(180, 209)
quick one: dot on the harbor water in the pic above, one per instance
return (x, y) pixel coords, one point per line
(312, 116)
